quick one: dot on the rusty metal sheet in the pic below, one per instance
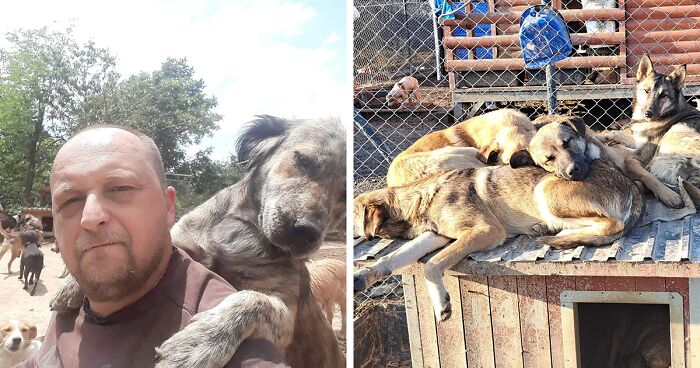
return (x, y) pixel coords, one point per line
(694, 244)
(495, 254)
(667, 245)
(527, 249)
(563, 255)
(369, 249)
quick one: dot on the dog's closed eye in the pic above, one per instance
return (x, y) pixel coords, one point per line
(306, 163)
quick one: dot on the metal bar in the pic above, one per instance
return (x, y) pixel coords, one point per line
(371, 134)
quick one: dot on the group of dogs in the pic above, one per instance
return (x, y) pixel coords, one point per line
(22, 237)
(500, 175)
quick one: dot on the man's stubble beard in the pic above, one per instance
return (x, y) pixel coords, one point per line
(127, 278)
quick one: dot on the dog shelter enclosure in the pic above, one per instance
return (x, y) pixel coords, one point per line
(515, 301)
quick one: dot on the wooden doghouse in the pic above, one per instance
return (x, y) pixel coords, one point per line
(44, 215)
(526, 305)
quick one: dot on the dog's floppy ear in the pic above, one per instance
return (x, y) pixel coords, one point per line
(677, 77)
(645, 69)
(577, 124)
(521, 158)
(259, 138)
(543, 120)
(32, 331)
(375, 215)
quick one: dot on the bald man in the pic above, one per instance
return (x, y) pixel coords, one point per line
(112, 215)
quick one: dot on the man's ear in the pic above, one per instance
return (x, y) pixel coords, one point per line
(521, 158)
(170, 202)
(375, 215)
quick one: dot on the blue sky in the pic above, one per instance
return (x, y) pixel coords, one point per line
(281, 57)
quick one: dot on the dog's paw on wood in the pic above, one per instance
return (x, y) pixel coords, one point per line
(69, 296)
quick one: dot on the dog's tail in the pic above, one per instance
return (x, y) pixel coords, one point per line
(634, 215)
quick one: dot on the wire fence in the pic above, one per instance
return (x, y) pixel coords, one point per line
(473, 63)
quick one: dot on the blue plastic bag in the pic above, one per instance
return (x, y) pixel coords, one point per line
(544, 37)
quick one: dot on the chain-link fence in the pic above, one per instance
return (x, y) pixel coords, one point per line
(467, 60)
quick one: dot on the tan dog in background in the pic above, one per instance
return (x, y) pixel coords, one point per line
(328, 286)
(404, 92)
(494, 136)
(16, 241)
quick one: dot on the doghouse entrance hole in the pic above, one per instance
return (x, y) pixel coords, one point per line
(612, 334)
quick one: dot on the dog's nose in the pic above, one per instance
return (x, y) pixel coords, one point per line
(16, 340)
(647, 114)
(573, 170)
(305, 232)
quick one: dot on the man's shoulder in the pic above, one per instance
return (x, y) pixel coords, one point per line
(199, 288)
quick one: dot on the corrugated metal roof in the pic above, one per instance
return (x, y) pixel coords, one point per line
(672, 241)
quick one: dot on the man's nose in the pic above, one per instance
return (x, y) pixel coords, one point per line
(94, 213)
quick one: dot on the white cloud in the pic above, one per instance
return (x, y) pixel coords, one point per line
(242, 49)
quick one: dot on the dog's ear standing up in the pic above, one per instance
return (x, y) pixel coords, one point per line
(375, 215)
(677, 77)
(521, 158)
(645, 69)
(259, 139)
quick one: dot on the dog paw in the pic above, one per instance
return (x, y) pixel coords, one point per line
(445, 309)
(539, 229)
(671, 199)
(69, 296)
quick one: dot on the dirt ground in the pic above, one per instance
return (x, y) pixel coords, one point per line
(18, 304)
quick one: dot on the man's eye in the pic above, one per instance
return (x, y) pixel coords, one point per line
(122, 188)
(67, 202)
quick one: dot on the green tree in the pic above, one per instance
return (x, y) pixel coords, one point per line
(169, 105)
(51, 75)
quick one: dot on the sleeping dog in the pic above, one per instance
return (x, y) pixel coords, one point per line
(480, 208)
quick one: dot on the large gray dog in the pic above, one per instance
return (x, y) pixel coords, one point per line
(257, 234)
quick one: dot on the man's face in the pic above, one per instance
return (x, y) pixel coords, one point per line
(111, 215)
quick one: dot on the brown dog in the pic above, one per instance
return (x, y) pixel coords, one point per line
(566, 146)
(15, 243)
(18, 342)
(328, 286)
(481, 208)
(494, 136)
(404, 93)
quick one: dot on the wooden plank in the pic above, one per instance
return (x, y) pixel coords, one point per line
(476, 314)
(623, 46)
(592, 283)
(668, 24)
(449, 57)
(409, 295)
(511, 16)
(694, 303)
(451, 333)
(632, 4)
(555, 286)
(650, 284)
(661, 36)
(614, 283)
(603, 38)
(681, 286)
(426, 319)
(534, 321)
(505, 321)
(663, 12)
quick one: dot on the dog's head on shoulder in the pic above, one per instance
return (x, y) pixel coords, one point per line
(296, 178)
(657, 96)
(560, 146)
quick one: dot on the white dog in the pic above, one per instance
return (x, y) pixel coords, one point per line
(18, 342)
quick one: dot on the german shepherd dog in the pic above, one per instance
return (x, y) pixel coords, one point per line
(665, 129)
(488, 138)
(257, 234)
(480, 208)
